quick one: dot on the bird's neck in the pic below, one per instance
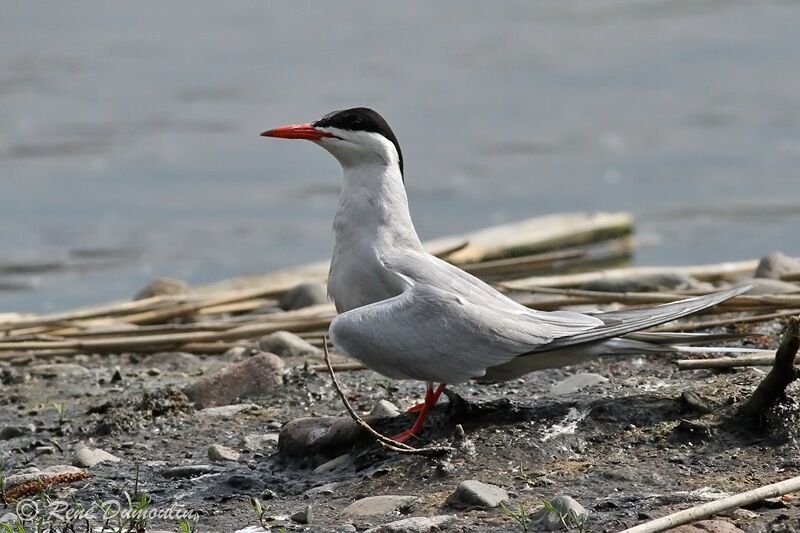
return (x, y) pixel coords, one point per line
(373, 210)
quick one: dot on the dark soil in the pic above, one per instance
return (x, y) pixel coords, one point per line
(649, 441)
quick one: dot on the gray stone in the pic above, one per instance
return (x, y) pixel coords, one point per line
(318, 435)
(12, 432)
(346, 528)
(775, 265)
(221, 454)
(336, 463)
(384, 409)
(379, 505)
(327, 488)
(644, 283)
(257, 375)
(561, 509)
(287, 344)
(187, 471)
(173, 360)
(474, 493)
(760, 286)
(576, 382)
(91, 457)
(256, 442)
(162, 287)
(303, 516)
(415, 524)
(227, 411)
(59, 370)
(304, 295)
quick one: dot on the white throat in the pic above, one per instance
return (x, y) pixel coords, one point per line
(371, 223)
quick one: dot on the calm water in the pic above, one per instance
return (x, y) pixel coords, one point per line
(129, 147)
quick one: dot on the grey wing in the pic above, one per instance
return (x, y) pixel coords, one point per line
(429, 334)
(624, 321)
(432, 271)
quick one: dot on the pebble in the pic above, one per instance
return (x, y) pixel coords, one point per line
(219, 453)
(327, 488)
(303, 516)
(91, 457)
(12, 432)
(162, 287)
(415, 524)
(256, 442)
(474, 493)
(379, 505)
(257, 375)
(304, 295)
(566, 510)
(775, 265)
(759, 286)
(576, 382)
(317, 435)
(58, 370)
(187, 471)
(708, 526)
(227, 411)
(384, 409)
(334, 464)
(287, 344)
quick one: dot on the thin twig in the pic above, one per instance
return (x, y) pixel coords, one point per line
(383, 440)
(726, 362)
(717, 506)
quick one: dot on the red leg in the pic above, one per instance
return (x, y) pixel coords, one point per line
(431, 398)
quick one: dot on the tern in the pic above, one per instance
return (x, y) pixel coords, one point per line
(409, 315)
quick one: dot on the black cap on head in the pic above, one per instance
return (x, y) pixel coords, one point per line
(361, 119)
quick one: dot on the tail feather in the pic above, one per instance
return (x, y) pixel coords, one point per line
(625, 321)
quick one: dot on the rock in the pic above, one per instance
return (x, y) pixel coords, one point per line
(775, 265)
(259, 374)
(379, 505)
(576, 382)
(256, 442)
(384, 409)
(768, 286)
(416, 524)
(227, 411)
(59, 370)
(346, 528)
(318, 435)
(12, 432)
(327, 488)
(287, 344)
(474, 493)
(219, 453)
(334, 464)
(644, 283)
(744, 514)
(173, 360)
(54, 475)
(162, 287)
(303, 516)
(708, 526)
(187, 471)
(304, 295)
(91, 457)
(561, 510)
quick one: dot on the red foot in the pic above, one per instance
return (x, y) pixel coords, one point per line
(431, 398)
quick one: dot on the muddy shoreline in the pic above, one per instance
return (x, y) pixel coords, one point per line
(627, 449)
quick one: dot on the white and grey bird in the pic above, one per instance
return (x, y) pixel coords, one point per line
(409, 315)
